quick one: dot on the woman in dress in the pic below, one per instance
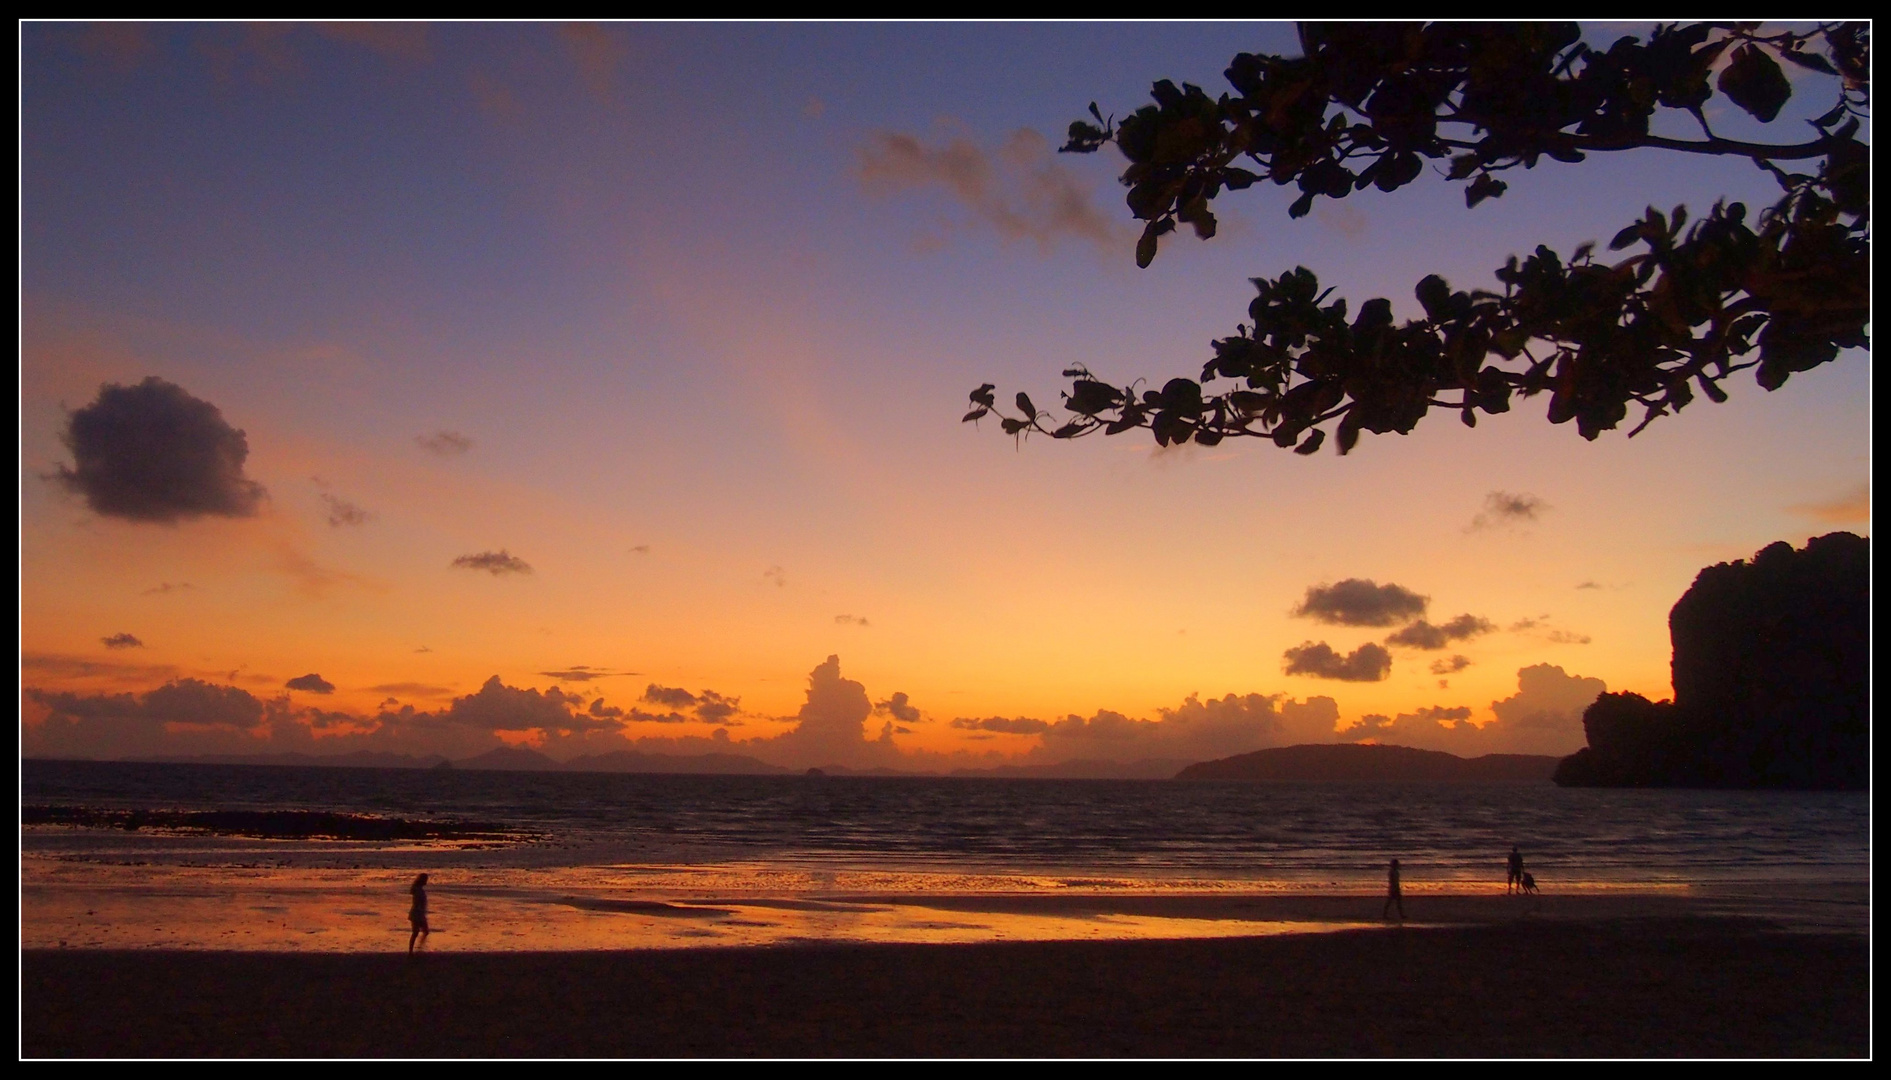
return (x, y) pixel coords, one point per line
(417, 915)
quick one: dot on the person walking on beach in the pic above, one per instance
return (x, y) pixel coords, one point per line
(417, 915)
(1392, 897)
(1515, 881)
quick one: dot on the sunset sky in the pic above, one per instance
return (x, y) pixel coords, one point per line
(627, 363)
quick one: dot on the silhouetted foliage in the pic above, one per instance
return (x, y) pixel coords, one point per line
(1772, 681)
(1367, 105)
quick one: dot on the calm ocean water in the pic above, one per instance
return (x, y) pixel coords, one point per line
(1130, 830)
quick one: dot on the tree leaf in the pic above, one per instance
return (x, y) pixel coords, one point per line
(1484, 187)
(1810, 61)
(1755, 83)
(1146, 247)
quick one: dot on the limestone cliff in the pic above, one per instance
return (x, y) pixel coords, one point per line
(1771, 681)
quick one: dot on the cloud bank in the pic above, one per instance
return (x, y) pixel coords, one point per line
(1544, 716)
(835, 725)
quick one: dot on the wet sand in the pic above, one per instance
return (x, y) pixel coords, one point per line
(1594, 983)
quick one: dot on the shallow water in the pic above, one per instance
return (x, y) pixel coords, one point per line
(619, 860)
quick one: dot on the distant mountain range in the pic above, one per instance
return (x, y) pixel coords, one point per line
(1313, 762)
(1368, 761)
(507, 758)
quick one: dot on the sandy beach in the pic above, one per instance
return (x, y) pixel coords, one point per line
(1603, 985)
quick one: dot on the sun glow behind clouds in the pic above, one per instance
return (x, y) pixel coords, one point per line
(546, 325)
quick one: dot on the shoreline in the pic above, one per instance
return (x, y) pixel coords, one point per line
(1653, 985)
(366, 915)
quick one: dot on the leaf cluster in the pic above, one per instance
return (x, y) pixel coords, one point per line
(1780, 291)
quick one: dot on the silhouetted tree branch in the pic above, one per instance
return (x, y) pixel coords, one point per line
(1780, 291)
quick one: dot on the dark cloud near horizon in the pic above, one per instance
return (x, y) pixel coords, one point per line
(342, 513)
(121, 641)
(494, 562)
(714, 708)
(640, 549)
(709, 706)
(583, 673)
(1543, 717)
(851, 620)
(153, 453)
(1457, 663)
(498, 707)
(1423, 635)
(1360, 602)
(164, 587)
(1448, 719)
(1195, 730)
(674, 696)
(1588, 585)
(898, 707)
(1545, 714)
(444, 443)
(1004, 725)
(1368, 663)
(311, 682)
(413, 688)
(181, 701)
(1507, 508)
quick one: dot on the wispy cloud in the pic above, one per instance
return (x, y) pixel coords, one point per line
(341, 512)
(1851, 508)
(495, 563)
(1503, 508)
(1019, 189)
(444, 443)
(1451, 666)
(122, 641)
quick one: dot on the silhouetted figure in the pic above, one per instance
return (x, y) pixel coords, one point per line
(1515, 878)
(1392, 896)
(417, 915)
(1529, 883)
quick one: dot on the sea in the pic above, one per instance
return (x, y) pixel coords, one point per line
(522, 860)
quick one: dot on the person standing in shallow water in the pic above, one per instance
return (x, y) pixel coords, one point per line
(1393, 899)
(417, 915)
(1515, 881)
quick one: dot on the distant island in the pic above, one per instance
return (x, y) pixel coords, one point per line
(1370, 761)
(1772, 681)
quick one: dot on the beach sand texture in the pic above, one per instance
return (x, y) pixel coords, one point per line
(1643, 987)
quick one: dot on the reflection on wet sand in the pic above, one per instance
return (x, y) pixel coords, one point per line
(90, 905)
